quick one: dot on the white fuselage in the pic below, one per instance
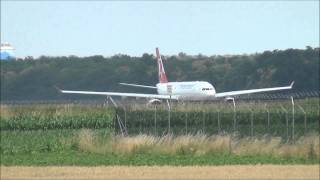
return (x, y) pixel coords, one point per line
(187, 90)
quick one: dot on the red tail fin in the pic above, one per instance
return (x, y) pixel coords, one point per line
(161, 74)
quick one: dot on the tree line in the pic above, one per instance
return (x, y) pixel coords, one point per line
(34, 79)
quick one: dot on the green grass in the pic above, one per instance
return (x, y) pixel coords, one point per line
(92, 159)
(84, 135)
(98, 147)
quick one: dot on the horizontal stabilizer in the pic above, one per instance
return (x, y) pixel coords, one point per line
(138, 85)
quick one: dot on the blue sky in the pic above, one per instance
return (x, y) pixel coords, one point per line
(86, 28)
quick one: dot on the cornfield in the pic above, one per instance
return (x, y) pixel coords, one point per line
(245, 119)
(259, 128)
(55, 117)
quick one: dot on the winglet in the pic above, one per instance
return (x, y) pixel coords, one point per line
(292, 83)
(57, 88)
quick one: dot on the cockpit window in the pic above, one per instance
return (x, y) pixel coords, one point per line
(206, 89)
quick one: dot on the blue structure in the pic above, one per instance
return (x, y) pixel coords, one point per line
(6, 52)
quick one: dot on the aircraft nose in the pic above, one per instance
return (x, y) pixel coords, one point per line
(211, 92)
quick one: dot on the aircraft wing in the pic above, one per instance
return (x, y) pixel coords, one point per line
(155, 96)
(250, 91)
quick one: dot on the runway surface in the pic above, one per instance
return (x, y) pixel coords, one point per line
(163, 172)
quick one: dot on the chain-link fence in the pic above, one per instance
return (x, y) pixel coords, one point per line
(288, 119)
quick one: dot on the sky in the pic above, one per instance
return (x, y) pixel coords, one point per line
(85, 28)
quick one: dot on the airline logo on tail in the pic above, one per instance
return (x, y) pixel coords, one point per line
(161, 73)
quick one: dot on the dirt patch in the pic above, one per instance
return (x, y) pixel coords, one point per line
(163, 172)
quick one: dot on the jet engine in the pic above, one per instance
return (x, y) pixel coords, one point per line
(229, 99)
(154, 101)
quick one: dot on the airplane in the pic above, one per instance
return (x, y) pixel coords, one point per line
(187, 90)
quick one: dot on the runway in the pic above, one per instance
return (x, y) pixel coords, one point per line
(163, 172)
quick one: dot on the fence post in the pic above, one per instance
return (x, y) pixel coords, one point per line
(287, 121)
(305, 119)
(219, 125)
(203, 121)
(114, 123)
(186, 122)
(268, 117)
(155, 120)
(169, 116)
(140, 122)
(121, 126)
(251, 121)
(292, 102)
(234, 115)
(125, 117)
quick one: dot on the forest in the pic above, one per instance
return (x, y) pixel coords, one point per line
(31, 79)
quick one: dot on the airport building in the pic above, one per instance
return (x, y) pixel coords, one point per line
(6, 52)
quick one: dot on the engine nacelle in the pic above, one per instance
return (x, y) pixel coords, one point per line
(155, 101)
(229, 99)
